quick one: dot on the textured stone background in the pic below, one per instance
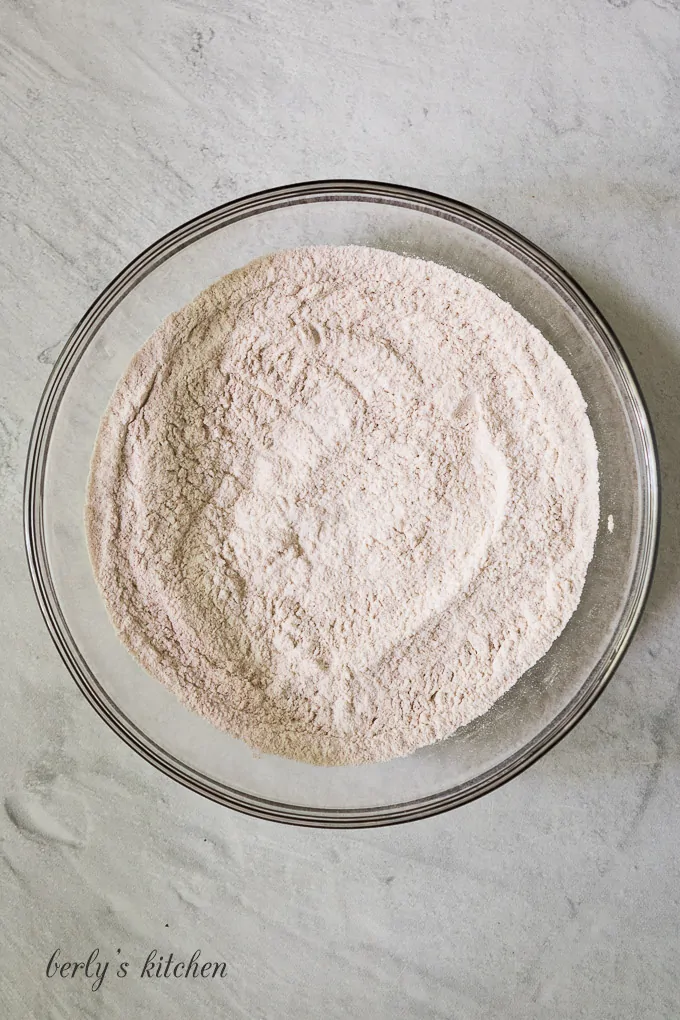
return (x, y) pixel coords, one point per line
(558, 895)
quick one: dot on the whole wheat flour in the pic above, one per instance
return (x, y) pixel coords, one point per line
(342, 501)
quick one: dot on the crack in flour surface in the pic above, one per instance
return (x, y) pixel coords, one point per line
(342, 501)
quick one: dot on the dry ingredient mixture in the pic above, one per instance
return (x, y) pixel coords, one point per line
(342, 501)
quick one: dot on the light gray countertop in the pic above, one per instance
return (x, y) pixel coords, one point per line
(558, 895)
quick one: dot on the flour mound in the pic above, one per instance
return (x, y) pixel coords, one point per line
(342, 501)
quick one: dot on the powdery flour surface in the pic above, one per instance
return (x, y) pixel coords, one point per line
(342, 501)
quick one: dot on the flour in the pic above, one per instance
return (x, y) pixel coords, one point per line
(342, 501)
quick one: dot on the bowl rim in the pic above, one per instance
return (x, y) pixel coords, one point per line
(34, 480)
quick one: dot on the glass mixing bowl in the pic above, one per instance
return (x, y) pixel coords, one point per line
(545, 703)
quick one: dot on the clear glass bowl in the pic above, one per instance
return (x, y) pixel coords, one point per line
(545, 703)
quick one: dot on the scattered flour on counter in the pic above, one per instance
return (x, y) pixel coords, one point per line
(342, 501)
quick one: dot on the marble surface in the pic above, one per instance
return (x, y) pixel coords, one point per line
(558, 895)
